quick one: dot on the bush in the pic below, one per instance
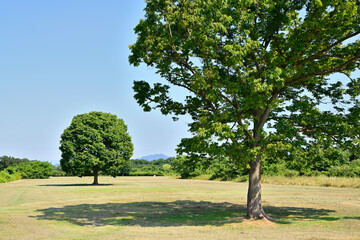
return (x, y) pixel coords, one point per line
(290, 173)
(348, 170)
(141, 167)
(33, 169)
(58, 172)
(311, 160)
(279, 169)
(225, 170)
(7, 177)
(167, 168)
(187, 167)
(310, 173)
(145, 173)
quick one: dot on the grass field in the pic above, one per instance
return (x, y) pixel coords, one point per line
(165, 208)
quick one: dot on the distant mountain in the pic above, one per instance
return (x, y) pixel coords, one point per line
(154, 157)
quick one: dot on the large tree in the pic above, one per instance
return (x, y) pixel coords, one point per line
(258, 74)
(95, 142)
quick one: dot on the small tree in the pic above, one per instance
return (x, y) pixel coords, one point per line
(95, 142)
(257, 73)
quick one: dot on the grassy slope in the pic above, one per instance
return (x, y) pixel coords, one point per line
(164, 208)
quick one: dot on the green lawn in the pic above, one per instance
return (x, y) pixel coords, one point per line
(166, 208)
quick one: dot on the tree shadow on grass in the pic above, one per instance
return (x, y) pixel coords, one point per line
(289, 215)
(166, 214)
(353, 218)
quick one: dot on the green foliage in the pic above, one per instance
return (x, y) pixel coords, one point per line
(187, 167)
(348, 170)
(7, 161)
(216, 168)
(95, 142)
(166, 168)
(279, 169)
(313, 160)
(23, 168)
(311, 173)
(125, 169)
(58, 172)
(159, 167)
(225, 169)
(7, 177)
(321, 159)
(33, 170)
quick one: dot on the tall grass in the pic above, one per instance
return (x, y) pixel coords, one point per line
(318, 181)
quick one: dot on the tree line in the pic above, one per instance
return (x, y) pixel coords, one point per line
(12, 169)
(141, 167)
(315, 161)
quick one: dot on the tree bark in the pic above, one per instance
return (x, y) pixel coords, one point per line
(95, 178)
(254, 206)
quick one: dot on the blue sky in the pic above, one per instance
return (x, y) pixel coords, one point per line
(62, 58)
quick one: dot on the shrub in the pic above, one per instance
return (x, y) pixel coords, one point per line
(7, 177)
(309, 173)
(166, 168)
(348, 170)
(187, 167)
(58, 172)
(146, 173)
(290, 173)
(279, 169)
(225, 169)
(33, 169)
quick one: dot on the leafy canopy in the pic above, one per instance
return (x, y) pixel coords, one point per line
(258, 72)
(95, 142)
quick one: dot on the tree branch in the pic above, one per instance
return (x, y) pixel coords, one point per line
(327, 48)
(239, 119)
(278, 46)
(168, 23)
(328, 71)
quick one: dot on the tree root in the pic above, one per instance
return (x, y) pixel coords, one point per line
(266, 217)
(261, 215)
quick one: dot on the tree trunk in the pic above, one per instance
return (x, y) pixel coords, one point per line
(254, 207)
(95, 178)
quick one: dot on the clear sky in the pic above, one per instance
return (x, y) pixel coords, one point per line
(61, 58)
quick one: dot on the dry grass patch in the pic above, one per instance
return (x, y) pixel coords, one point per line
(320, 181)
